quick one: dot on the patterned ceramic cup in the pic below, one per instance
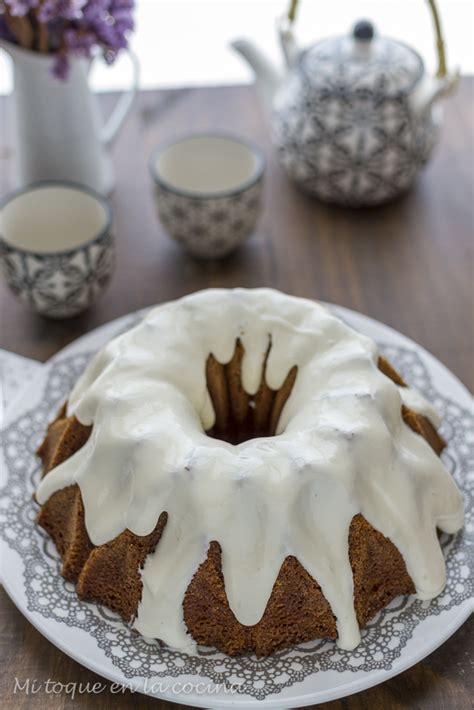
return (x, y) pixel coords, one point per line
(56, 247)
(208, 190)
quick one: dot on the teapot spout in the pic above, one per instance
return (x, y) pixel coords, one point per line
(267, 77)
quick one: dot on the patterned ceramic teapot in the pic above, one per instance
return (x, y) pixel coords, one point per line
(356, 117)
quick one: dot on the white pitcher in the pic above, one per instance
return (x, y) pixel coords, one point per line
(58, 130)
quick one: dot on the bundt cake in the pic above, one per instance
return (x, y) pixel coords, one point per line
(244, 471)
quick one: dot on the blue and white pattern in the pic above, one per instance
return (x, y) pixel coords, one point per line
(212, 227)
(16, 372)
(59, 285)
(345, 127)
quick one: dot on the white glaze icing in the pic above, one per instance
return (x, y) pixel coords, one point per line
(341, 448)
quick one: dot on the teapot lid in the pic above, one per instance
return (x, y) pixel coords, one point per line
(362, 61)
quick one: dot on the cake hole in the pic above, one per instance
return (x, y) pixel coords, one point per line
(238, 415)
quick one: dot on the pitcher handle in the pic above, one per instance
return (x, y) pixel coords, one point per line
(123, 105)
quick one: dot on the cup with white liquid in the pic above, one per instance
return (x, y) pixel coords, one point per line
(208, 191)
(56, 247)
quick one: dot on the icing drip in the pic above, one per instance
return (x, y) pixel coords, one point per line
(341, 448)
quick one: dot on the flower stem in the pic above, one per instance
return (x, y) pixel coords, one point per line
(21, 29)
(43, 40)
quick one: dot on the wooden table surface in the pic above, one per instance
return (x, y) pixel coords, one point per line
(408, 264)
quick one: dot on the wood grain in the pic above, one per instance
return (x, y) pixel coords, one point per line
(408, 264)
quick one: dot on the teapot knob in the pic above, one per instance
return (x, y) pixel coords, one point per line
(363, 30)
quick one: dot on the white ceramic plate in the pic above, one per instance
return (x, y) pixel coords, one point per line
(308, 674)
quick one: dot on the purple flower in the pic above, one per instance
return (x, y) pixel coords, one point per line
(80, 43)
(77, 27)
(60, 68)
(65, 9)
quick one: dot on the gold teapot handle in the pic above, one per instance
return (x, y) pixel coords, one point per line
(440, 47)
